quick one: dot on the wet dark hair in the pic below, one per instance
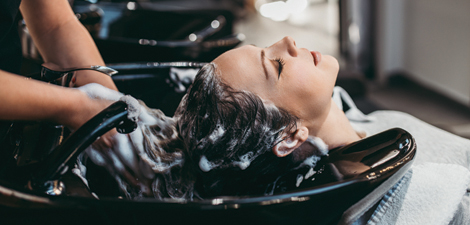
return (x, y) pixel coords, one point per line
(224, 130)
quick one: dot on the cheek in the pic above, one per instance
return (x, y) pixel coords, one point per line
(307, 90)
(315, 92)
(303, 99)
(304, 82)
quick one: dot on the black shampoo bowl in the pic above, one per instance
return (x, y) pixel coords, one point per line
(160, 30)
(346, 175)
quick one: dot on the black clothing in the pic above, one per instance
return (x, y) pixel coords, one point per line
(10, 45)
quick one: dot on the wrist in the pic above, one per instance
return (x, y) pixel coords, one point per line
(84, 77)
(78, 109)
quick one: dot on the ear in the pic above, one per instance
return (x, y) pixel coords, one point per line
(291, 142)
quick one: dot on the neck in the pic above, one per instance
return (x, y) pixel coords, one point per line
(336, 130)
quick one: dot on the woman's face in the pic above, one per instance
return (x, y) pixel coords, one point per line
(295, 79)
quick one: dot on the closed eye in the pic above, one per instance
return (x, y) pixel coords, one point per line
(281, 65)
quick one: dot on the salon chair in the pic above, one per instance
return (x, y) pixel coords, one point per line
(45, 190)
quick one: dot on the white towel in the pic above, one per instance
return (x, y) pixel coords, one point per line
(340, 97)
(430, 194)
(435, 190)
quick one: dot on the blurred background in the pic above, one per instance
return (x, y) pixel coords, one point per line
(411, 56)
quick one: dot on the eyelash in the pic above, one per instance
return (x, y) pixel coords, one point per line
(281, 63)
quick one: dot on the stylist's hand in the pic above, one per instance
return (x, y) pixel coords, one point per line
(85, 109)
(114, 151)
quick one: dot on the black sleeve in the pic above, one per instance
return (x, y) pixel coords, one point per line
(10, 45)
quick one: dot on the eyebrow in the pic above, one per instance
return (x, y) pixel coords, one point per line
(263, 64)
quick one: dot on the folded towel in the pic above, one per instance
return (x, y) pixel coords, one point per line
(429, 194)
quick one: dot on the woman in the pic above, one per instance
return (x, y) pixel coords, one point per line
(250, 110)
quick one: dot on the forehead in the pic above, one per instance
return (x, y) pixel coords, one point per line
(240, 68)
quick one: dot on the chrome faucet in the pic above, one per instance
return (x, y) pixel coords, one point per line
(51, 72)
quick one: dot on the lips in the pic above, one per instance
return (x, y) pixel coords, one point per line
(316, 57)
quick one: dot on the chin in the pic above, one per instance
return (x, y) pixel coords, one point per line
(332, 62)
(332, 67)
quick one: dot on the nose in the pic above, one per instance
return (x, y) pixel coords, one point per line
(288, 44)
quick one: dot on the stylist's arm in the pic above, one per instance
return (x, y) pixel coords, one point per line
(27, 99)
(62, 39)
